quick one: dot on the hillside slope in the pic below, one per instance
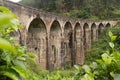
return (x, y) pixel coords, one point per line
(85, 9)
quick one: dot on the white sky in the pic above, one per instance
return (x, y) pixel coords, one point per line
(15, 0)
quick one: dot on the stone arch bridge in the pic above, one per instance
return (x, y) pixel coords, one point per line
(57, 40)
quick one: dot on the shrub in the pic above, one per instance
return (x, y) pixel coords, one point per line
(12, 57)
(105, 68)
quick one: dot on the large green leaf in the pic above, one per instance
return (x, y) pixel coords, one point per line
(7, 57)
(110, 34)
(5, 10)
(32, 55)
(111, 44)
(21, 71)
(4, 44)
(86, 68)
(87, 77)
(8, 19)
(77, 67)
(113, 38)
(19, 63)
(31, 60)
(9, 73)
(106, 58)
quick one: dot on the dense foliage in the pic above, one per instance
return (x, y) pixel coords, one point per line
(13, 60)
(99, 46)
(105, 68)
(85, 9)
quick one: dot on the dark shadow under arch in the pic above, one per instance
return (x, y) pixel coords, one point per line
(55, 45)
(93, 32)
(36, 41)
(108, 25)
(100, 29)
(85, 35)
(68, 45)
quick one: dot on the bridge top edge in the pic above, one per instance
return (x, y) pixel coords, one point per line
(57, 15)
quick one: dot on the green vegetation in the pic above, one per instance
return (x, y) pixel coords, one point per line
(101, 45)
(13, 60)
(105, 68)
(85, 9)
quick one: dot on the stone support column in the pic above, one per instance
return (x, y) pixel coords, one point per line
(94, 34)
(88, 39)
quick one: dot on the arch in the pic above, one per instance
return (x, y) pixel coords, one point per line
(78, 44)
(86, 36)
(108, 25)
(68, 44)
(77, 26)
(54, 24)
(55, 45)
(67, 26)
(37, 23)
(93, 32)
(77, 29)
(86, 26)
(36, 41)
(100, 29)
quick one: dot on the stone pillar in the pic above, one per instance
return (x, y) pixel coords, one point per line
(42, 52)
(94, 34)
(88, 39)
(47, 52)
(79, 49)
(50, 59)
(97, 34)
(68, 47)
(73, 49)
(62, 53)
(23, 38)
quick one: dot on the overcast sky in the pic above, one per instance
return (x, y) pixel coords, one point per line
(15, 0)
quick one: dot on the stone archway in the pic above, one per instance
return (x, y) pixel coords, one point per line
(68, 44)
(93, 33)
(55, 45)
(108, 26)
(36, 41)
(100, 29)
(87, 37)
(79, 55)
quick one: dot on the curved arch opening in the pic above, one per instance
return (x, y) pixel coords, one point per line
(86, 36)
(77, 26)
(78, 44)
(77, 31)
(36, 40)
(93, 32)
(55, 45)
(100, 29)
(68, 44)
(108, 25)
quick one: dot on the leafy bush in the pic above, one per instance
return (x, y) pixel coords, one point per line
(12, 57)
(99, 47)
(106, 68)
